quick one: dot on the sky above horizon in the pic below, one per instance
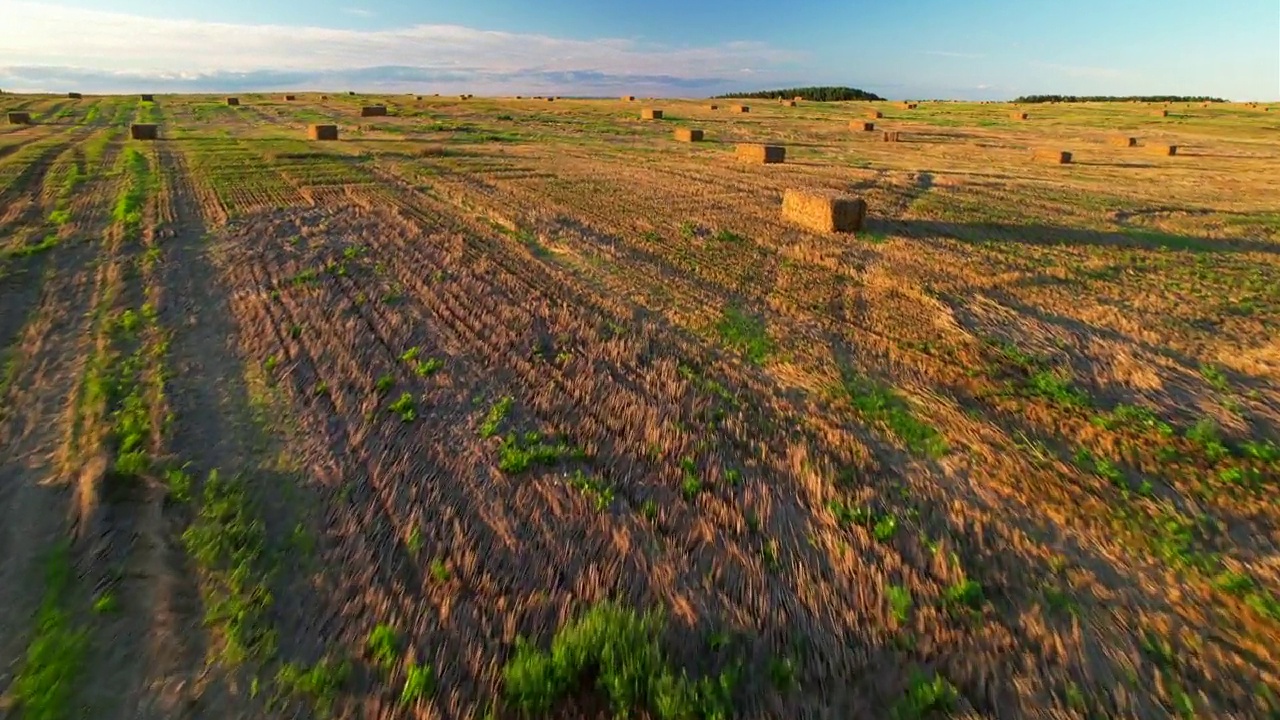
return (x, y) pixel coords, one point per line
(978, 49)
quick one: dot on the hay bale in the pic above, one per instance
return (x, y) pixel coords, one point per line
(740, 108)
(713, 107)
(862, 126)
(1162, 149)
(1056, 157)
(462, 97)
(290, 98)
(148, 98)
(789, 103)
(892, 136)
(628, 98)
(1161, 113)
(823, 210)
(19, 118)
(761, 154)
(233, 102)
(324, 97)
(551, 99)
(1018, 115)
(875, 114)
(688, 135)
(74, 96)
(650, 114)
(144, 131)
(373, 111)
(1123, 141)
(908, 106)
(322, 132)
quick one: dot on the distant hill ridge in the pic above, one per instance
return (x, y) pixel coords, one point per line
(815, 94)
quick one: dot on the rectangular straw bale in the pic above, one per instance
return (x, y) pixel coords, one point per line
(761, 154)
(893, 136)
(290, 98)
(233, 101)
(74, 96)
(144, 131)
(1162, 149)
(628, 98)
(373, 111)
(322, 132)
(875, 114)
(1161, 113)
(713, 107)
(908, 106)
(789, 103)
(1018, 115)
(740, 108)
(688, 135)
(148, 98)
(19, 118)
(862, 125)
(1057, 157)
(1123, 141)
(650, 114)
(823, 210)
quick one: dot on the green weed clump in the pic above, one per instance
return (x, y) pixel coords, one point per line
(45, 685)
(879, 404)
(320, 683)
(129, 206)
(620, 650)
(745, 334)
(518, 453)
(495, 416)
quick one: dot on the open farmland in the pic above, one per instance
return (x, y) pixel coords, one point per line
(516, 408)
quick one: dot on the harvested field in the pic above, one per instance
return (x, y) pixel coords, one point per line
(364, 429)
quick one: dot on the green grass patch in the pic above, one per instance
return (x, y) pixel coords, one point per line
(419, 682)
(881, 405)
(130, 205)
(320, 683)
(47, 679)
(518, 453)
(493, 419)
(383, 646)
(744, 333)
(619, 650)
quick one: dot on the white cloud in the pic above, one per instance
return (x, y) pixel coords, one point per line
(39, 34)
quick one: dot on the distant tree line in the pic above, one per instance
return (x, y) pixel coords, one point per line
(1115, 98)
(815, 94)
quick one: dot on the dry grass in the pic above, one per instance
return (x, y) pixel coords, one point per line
(760, 154)
(823, 210)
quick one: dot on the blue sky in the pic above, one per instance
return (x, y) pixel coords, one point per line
(973, 49)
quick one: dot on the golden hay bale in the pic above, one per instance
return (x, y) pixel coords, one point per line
(892, 136)
(740, 108)
(1018, 115)
(233, 101)
(875, 114)
(322, 132)
(713, 107)
(1056, 157)
(1161, 113)
(823, 210)
(19, 118)
(551, 99)
(290, 98)
(789, 103)
(761, 154)
(1123, 141)
(650, 114)
(144, 131)
(688, 135)
(1162, 149)
(373, 111)
(909, 106)
(628, 98)
(74, 96)
(148, 98)
(862, 126)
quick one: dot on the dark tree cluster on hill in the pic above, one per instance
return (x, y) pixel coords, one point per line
(1114, 98)
(815, 94)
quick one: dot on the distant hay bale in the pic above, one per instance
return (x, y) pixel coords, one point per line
(740, 108)
(324, 97)
(551, 99)
(233, 102)
(862, 126)
(373, 111)
(892, 136)
(1018, 115)
(628, 98)
(430, 151)
(1056, 157)
(462, 97)
(417, 97)
(322, 132)
(290, 98)
(19, 118)
(909, 106)
(1123, 141)
(1161, 113)
(761, 154)
(1162, 149)
(74, 96)
(875, 114)
(789, 103)
(823, 210)
(688, 135)
(144, 131)
(148, 98)
(650, 114)
(351, 92)
(713, 107)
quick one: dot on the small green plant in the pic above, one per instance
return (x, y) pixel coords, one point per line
(518, 453)
(900, 602)
(726, 236)
(419, 682)
(428, 367)
(782, 671)
(440, 571)
(405, 408)
(1216, 378)
(414, 543)
(411, 354)
(493, 419)
(597, 491)
(924, 697)
(383, 646)
(966, 594)
(384, 384)
(744, 333)
(885, 528)
(688, 230)
(879, 404)
(45, 684)
(649, 510)
(321, 683)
